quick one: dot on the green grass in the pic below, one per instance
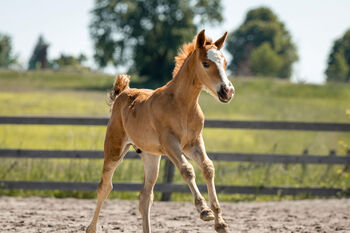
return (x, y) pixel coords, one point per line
(51, 80)
(84, 94)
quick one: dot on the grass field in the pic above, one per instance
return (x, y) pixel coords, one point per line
(84, 94)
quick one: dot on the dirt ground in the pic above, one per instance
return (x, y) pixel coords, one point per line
(35, 214)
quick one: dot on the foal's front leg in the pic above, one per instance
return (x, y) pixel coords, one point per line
(172, 147)
(197, 152)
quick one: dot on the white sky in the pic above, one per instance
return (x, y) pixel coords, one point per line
(313, 25)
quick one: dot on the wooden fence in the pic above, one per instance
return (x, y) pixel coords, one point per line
(168, 187)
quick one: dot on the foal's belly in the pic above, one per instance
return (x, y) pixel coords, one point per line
(141, 133)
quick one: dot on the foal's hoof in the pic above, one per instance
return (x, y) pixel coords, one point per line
(91, 229)
(207, 215)
(221, 227)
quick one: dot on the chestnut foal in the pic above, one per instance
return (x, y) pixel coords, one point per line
(168, 121)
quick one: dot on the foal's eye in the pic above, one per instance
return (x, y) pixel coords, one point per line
(205, 64)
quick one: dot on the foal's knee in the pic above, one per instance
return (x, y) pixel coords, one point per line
(208, 169)
(104, 188)
(187, 171)
(146, 196)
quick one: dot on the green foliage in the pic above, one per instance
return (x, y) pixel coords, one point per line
(38, 60)
(145, 35)
(265, 61)
(261, 26)
(6, 56)
(339, 60)
(69, 62)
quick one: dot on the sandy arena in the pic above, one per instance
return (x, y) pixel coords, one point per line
(36, 214)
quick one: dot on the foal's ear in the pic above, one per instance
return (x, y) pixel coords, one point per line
(220, 42)
(200, 42)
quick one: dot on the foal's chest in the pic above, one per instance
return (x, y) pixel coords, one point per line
(192, 128)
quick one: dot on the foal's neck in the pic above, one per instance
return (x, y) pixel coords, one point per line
(186, 85)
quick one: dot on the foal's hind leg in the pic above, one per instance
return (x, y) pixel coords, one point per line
(151, 167)
(116, 147)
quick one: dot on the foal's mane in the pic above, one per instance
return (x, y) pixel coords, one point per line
(184, 52)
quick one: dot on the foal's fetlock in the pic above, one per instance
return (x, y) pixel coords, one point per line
(207, 215)
(221, 227)
(200, 204)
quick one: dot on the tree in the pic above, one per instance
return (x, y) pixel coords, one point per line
(68, 61)
(6, 54)
(146, 34)
(38, 60)
(261, 31)
(265, 61)
(338, 68)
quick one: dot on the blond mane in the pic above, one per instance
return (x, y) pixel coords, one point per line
(184, 52)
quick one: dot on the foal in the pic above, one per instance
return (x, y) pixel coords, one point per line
(168, 121)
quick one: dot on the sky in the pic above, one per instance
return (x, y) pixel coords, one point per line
(314, 25)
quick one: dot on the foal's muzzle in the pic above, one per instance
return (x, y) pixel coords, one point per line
(226, 92)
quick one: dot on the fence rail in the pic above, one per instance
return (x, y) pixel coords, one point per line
(218, 156)
(262, 125)
(166, 187)
(169, 187)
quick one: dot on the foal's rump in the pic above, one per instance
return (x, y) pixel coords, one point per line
(123, 98)
(130, 95)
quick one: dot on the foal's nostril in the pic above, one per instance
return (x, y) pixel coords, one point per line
(226, 92)
(227, 89)
(224, 89)
(231, 92)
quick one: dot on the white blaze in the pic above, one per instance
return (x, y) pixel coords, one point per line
(217, 57)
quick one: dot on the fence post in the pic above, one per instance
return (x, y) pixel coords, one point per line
(168, 178)
(332, 153)
(304, 166)
(346, 167)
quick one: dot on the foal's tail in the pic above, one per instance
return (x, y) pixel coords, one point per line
(120, 84)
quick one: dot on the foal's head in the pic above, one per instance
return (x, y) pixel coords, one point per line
(211, 65)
